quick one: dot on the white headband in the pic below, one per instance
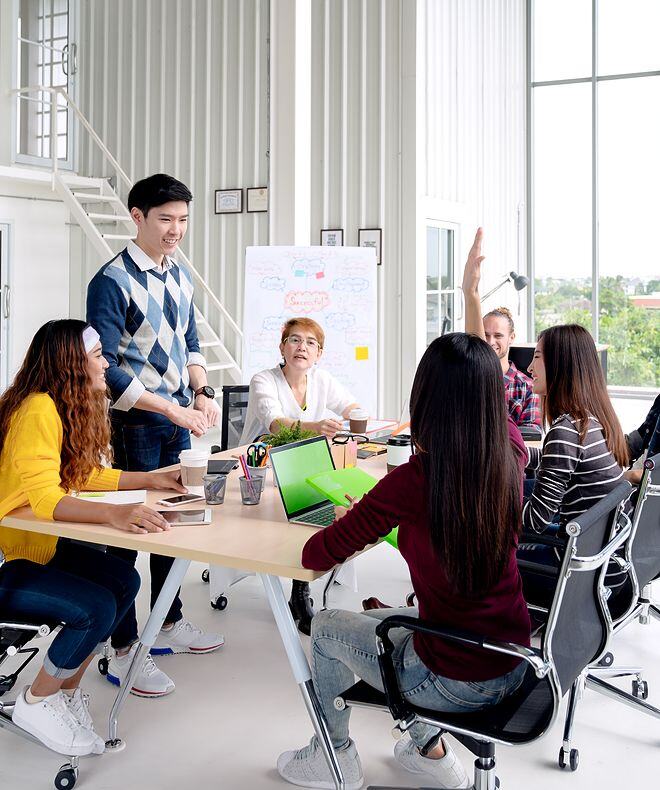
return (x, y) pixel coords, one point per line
(90, 338)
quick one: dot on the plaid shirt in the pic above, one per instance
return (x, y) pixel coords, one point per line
(523, 404)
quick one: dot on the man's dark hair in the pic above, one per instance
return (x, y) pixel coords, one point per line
(155, 191)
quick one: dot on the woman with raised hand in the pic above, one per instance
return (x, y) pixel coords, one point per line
(55, 442)
(457, 502)
(584, 449)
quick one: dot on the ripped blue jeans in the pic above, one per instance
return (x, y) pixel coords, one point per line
(344, 645)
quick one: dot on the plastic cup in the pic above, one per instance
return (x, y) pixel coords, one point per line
(214, 489)
(251, 490)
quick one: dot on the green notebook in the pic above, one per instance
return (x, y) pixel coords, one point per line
(336, 483)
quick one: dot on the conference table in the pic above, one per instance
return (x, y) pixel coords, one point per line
(253, 538)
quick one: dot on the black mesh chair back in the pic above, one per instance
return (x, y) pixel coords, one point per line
(234, 409)
(645, 552)
(579, 624)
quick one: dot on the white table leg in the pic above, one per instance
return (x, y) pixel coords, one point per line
(149, 633)
(301, 671)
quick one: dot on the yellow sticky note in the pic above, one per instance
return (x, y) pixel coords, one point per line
(361, 352)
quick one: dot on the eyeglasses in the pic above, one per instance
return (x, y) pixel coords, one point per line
(344, 438)
(296, 340)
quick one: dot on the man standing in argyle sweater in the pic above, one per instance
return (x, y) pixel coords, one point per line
(141, 304)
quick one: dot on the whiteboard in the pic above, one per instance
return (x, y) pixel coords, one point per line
(336, 286)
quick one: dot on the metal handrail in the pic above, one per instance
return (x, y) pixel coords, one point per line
(120, 172)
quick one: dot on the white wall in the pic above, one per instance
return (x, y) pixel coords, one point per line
(38, 260)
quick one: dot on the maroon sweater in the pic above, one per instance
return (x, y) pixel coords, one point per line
(401, 497)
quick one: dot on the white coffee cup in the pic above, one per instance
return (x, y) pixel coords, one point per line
(399, 450)
(358, 420)
(193, 468)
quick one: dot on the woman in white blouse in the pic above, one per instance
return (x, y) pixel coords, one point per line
(297, 391)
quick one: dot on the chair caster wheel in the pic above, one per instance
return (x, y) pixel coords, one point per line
(410, 599)
(640, 689)
(66, 778)
(573, 759)
(220, 603)
(206, 576)
(103, 665)
(607, 660)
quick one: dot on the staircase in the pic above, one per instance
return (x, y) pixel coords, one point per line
(106, 222)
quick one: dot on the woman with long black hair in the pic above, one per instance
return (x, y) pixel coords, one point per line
(458, 506)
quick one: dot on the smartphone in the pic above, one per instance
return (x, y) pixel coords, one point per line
(217, 466)
(187, 517)
(179, 499)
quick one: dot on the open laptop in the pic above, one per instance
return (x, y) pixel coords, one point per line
(294, 462)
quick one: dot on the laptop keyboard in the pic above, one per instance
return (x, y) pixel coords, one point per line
(323, 517)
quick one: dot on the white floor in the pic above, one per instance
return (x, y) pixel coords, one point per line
(234, 711)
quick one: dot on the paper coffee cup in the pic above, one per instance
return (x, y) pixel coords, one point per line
(193, 468)
(399, 450)
(358, 420)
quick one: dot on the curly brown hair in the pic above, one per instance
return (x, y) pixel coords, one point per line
(56, 363)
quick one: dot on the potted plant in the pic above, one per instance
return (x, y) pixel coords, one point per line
(286, 435)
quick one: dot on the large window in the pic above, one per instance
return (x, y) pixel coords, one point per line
(440, 290)
(595, 168)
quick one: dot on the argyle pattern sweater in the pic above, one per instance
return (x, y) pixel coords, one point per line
(147, 326)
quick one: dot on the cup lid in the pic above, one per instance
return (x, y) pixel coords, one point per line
(400, 440)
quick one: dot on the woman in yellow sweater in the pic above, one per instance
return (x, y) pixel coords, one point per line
(55, 441)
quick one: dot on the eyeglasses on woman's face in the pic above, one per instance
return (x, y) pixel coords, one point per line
(296, 341)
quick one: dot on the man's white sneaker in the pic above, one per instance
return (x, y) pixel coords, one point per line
(184, 637)
(78, 704)
(149, 681)
(307, 767)
(52, 723)
(448, 771)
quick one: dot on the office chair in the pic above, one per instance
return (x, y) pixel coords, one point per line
(641, 554)
(14, 636)
(234, 408)
(576, 636)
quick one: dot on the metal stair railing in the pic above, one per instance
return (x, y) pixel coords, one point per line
(98, 239)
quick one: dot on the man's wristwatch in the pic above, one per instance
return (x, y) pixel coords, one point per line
(206, 390)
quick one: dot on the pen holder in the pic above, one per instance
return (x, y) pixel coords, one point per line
(214, 489)
(251, 490)
(258, 472)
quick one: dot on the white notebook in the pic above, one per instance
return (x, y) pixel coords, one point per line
(115, 497)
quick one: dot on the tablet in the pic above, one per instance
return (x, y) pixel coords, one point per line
(178, 518)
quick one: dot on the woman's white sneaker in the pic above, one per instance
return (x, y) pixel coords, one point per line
(448, 771)
(149, 681)
(184, 637)
(307, 767)
(78, 704)
(52, 723)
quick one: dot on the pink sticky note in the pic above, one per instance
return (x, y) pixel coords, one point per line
(319, 275)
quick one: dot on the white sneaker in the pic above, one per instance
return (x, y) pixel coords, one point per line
(52, 723)
(184, 637)
(307, 767)
(149, 681)
(78, 704)
(448, 771)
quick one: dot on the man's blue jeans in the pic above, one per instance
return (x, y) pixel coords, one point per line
(143, 448)
(344, 645)
(82, 587)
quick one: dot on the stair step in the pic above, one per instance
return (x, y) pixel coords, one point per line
(117, 236)
(85, 197)
(219, 366)
(209, 343)
(110, 217)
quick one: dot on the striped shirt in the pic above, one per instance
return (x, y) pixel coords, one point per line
(571, 475)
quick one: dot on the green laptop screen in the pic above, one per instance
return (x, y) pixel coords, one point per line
(295, 464)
